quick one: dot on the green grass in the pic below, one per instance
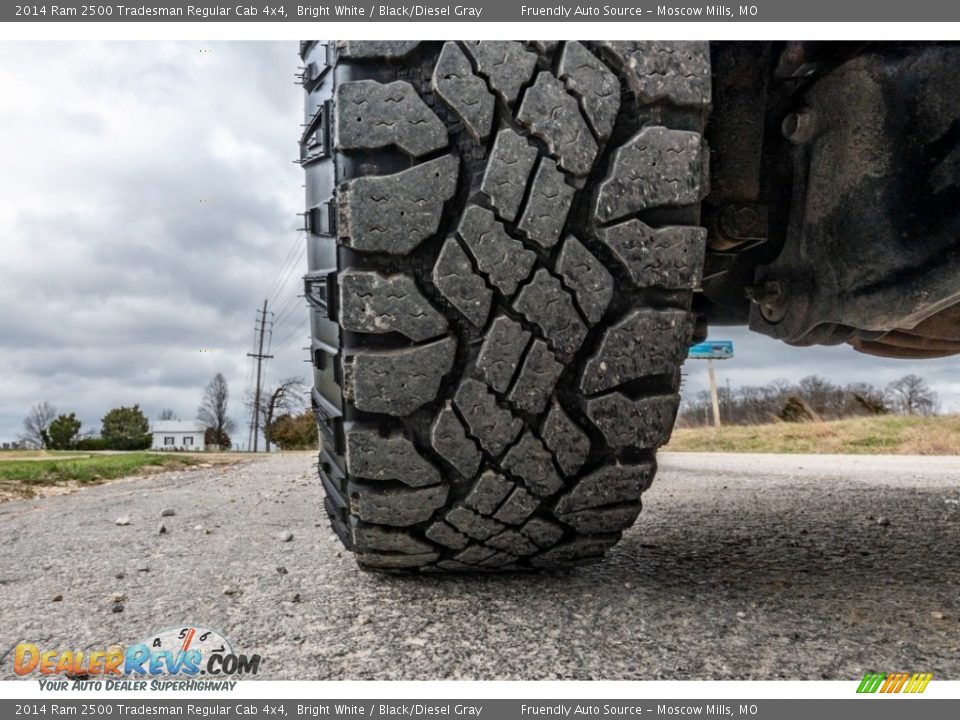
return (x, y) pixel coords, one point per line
(883, 435)
(20, 473)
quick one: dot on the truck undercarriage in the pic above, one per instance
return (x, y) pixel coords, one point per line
(834, 207)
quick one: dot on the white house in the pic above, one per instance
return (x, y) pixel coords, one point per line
(178, 435)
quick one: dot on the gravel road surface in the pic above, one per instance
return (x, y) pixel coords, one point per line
(741, 566)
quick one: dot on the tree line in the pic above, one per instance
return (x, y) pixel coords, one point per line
(283, 418)
(812, 398)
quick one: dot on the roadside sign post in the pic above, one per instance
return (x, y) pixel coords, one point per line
(714, 398)
(711, 350)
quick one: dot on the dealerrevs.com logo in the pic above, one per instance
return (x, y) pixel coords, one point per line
(184, 658)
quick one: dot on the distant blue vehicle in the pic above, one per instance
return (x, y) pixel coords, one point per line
(711, 350)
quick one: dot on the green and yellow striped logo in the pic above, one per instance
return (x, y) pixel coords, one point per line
(894, 682)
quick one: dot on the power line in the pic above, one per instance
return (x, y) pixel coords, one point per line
(283, 297)
(274, 286)
(280, 321)
(283, 314)
(291, 337)
(289, 273)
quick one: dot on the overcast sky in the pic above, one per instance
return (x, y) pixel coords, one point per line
(114, 275)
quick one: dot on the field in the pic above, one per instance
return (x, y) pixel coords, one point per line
(27, 473)
(885, 435)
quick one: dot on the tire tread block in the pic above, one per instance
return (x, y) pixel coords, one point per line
(530, 461)
(602, 520)
(645, 342)
(511, 541)
(610, 485)
(534, 384)
(488, 492)
(375, 115)
(594, 83)
(553, 115)
(568, 443)
(449, 438)
(591, 282)
(498, 560)
(395, 560)
(548, 205)
(626, 423)
(395, 213)
(473, 524)
(542, 532)
(378, 539)
(454, 277)
(375, 49)
(501, 351)
(508, 170)
(494, 426)
(474, 554)
(669, 257)
(446, 535)
(372, 456)
(372, 302)
(518, 506)
(502, 259)
(657, 167)
(466, 94)
(397, 382)
(507, 65)
(676, 71)
(547, 305)
(395, 506)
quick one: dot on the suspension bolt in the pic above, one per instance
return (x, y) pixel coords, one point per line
(799, 127)
(771, 297)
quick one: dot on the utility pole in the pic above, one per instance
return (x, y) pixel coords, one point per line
(714, 399)
(260, 358)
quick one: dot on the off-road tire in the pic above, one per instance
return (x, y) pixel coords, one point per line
(504, 242)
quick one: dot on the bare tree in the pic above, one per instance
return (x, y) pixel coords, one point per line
(865, 399)
(286, 397)
(824, 398)
(213, 411)
(910, 395)
(167, 414)
(36, 424)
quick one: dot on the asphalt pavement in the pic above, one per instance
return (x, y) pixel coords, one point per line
(740, 567)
